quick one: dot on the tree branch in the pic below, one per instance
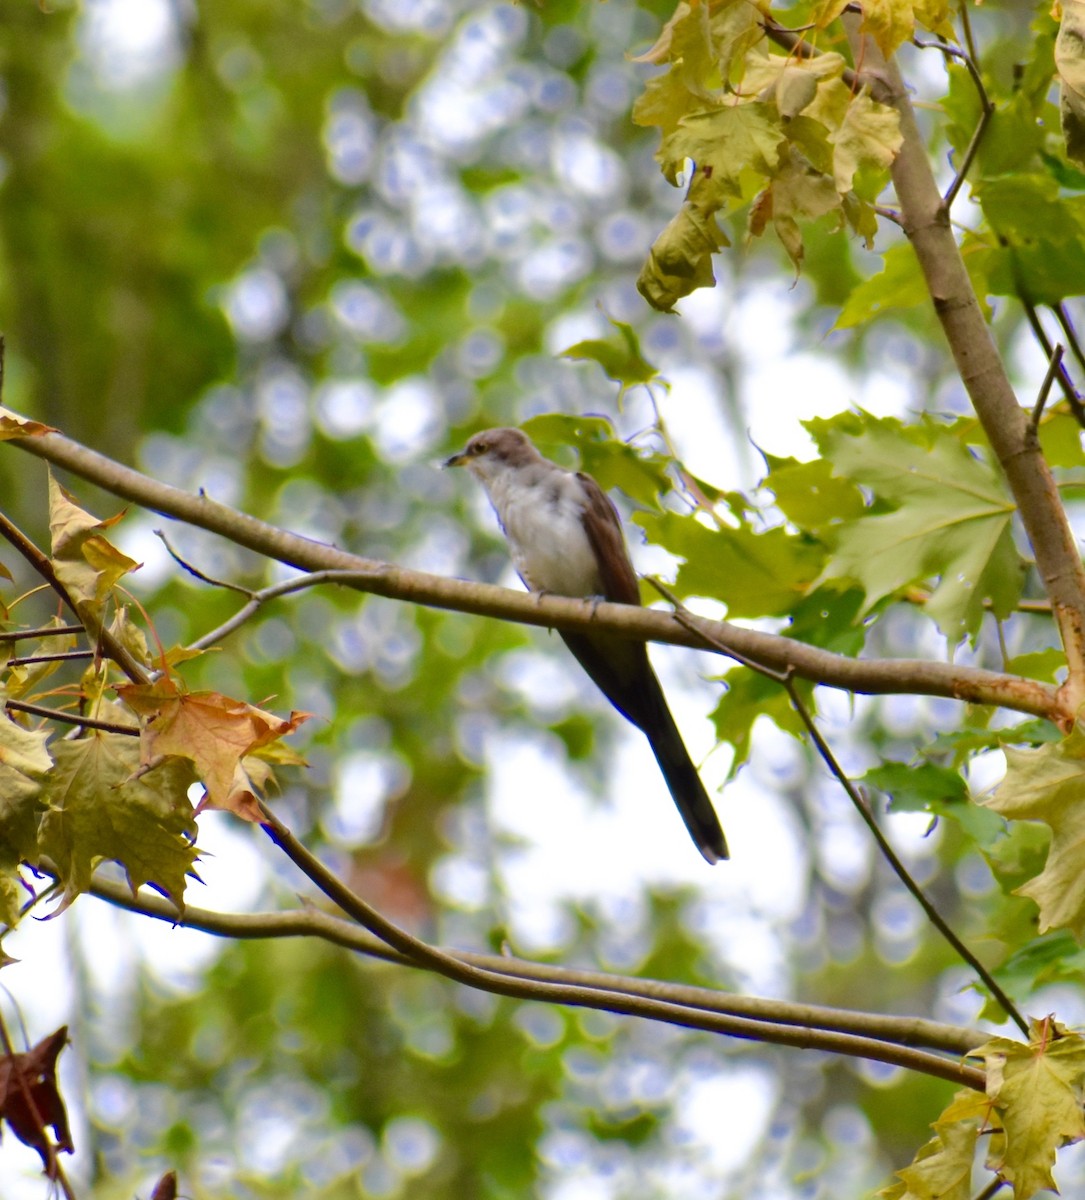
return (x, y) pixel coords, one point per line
(869, 676)
(926, 222)
(895, 1039)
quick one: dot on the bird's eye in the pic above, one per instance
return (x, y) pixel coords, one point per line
(479, 448)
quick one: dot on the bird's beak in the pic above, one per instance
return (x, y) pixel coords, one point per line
(457, 460)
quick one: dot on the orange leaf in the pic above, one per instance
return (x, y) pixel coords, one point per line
(214, 731)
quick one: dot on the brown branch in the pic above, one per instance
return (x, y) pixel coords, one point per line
(1005, 423)
(859, 803)
(869, 676)
(52, 714)
(865, 1035)
(21, 635)
(97, 632)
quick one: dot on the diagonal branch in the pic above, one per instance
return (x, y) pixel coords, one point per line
(1004, 421)
(864, 1035)
(868, 676)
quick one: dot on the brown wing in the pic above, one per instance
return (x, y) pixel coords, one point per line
(604, 530)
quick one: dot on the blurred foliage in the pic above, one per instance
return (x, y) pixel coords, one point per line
(292, 255)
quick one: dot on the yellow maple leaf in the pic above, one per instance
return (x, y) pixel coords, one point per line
(1048, 785)
(215, 732)
(86, 563)
(942, 1167)
(1037, 1089)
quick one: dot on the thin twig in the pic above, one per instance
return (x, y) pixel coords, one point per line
(195, 571)
(987, 109)
(1045, 387)
(40, 562)
(309, 921)
(786, 680)
(1040, 334)
(461, 971)
(20, 635)
(273, 592)
(1062, 315)
(53, 714)
(65, 656)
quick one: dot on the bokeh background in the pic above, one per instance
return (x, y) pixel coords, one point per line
(294, 254)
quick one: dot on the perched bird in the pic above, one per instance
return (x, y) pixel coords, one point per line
(566, 538)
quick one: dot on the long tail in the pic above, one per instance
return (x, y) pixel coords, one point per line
(686, 788)
(623, 673)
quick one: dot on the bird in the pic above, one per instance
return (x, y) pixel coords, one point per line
(565, 538)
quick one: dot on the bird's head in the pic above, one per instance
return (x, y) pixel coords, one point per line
(495, 451)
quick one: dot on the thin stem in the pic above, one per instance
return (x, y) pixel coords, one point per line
(1040, 334)
(312, 922)
(987, 109)
(65, 656)
(786, 679)
(20, 635)
(462, 971)
(1062, 315)
(1045, 388)
(53, 714)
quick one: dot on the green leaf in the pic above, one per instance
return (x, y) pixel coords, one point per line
(613, 463)
(951, 523)
(748, 696)
(724, 143)
(1048, 785)
(24, 761)
(619, 355)
(98, 809)
(810, 495)
(1041, 236)
(754, 574)
(899, 284)
(680, 260)
(916, 787)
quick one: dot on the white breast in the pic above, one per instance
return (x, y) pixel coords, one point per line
(541, 513)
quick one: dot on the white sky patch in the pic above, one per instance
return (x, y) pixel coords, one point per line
(129, 42)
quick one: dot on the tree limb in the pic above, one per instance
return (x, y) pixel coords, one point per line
(866, 1035)
(1005, 422)
(868, 676)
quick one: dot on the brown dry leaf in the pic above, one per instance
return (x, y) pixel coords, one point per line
(38, 1071)
(166, 1187)
(214, 731)
(14, 426)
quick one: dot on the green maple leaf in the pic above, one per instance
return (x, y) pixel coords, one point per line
(754, 574)
(98, 810)
(619, 355)
(951, 522)
(24, 761)
(1048, 785)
